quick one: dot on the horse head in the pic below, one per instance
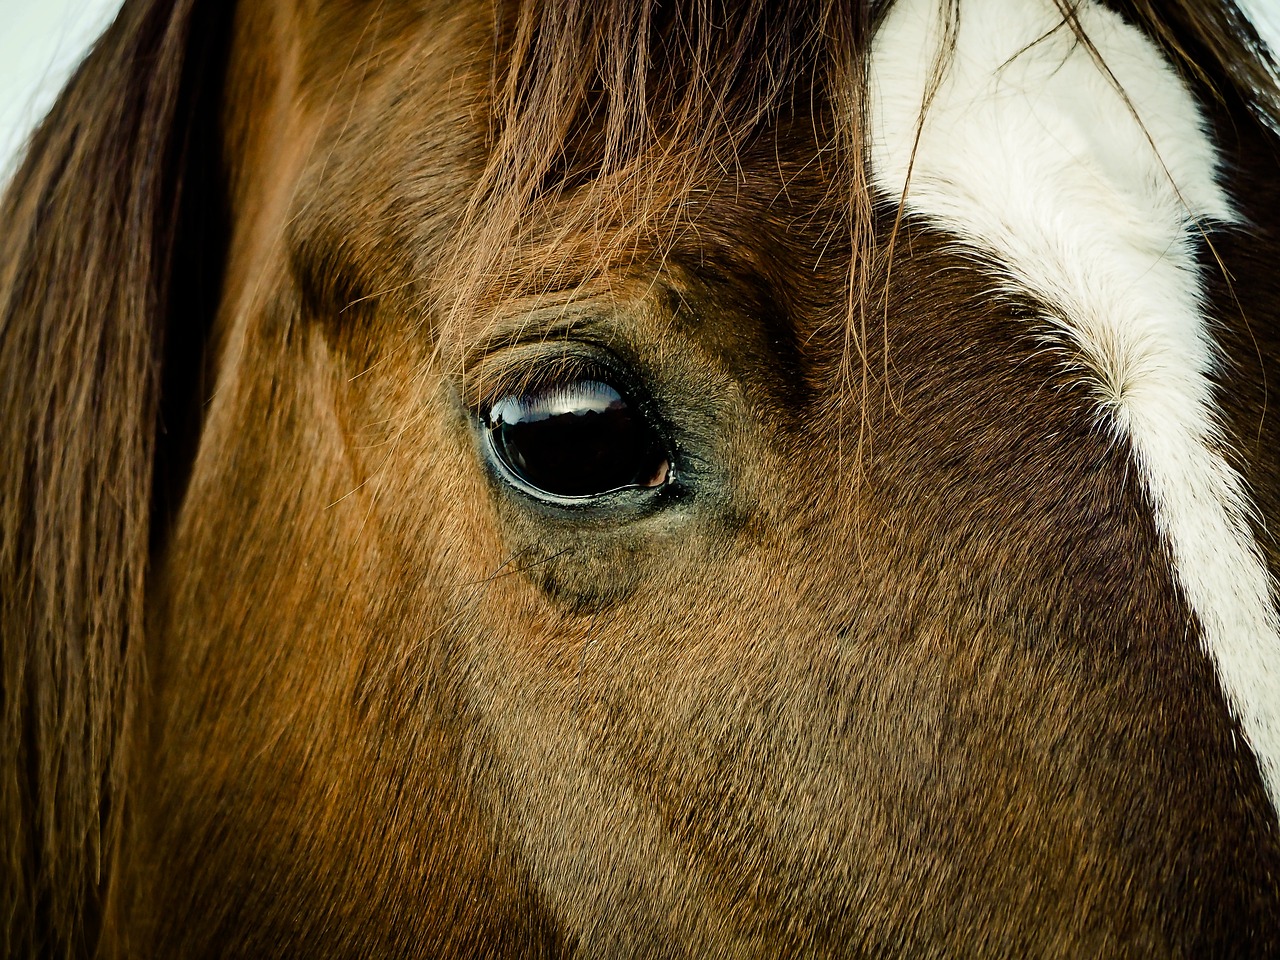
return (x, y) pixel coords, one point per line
(638, 480)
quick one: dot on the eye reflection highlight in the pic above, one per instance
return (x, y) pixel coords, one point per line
(578, 439)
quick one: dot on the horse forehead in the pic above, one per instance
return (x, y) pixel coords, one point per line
(1085, 175)
(353, 125)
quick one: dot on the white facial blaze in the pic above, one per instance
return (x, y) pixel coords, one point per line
(1029, 153)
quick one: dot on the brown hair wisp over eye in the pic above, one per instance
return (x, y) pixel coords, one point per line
(623, 108)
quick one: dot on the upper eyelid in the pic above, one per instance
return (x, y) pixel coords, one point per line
(522, 368)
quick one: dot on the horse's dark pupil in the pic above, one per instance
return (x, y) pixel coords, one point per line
(576, 440)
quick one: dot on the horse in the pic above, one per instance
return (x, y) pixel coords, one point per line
(631, 479)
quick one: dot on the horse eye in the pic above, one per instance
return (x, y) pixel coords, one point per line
(577, 439)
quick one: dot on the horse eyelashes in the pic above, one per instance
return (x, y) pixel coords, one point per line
(575, 440)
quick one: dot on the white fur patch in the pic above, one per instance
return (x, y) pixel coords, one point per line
(1028, 152)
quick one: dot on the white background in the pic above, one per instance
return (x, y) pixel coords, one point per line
(42, 40)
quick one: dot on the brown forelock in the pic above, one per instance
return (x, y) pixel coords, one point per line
(89, 243)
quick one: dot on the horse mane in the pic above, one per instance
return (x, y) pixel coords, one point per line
(89, 247)
(110, 245)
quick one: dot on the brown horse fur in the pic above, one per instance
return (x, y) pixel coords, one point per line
(902, 672)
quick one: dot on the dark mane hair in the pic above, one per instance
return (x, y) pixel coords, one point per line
(93, 264)
(110, 246)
